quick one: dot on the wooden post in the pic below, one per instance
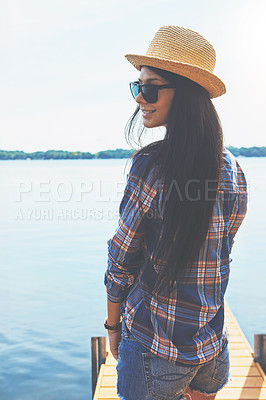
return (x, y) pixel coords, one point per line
(98, 356)
(101, 351)
(260, 350)
(94, 363)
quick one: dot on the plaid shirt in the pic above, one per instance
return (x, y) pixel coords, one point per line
(187, 327)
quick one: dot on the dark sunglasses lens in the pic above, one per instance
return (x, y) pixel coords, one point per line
(150, 93)
(134, 87)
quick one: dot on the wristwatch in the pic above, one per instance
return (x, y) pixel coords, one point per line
(115, 327)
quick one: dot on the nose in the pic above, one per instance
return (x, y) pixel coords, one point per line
(139, 99)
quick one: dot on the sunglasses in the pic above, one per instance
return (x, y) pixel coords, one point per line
(149, 91)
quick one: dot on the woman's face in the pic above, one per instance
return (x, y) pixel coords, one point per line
(155, 114)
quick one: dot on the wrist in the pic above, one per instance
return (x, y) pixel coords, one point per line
(112, 326)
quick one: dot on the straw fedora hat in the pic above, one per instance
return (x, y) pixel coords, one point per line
(185, 53)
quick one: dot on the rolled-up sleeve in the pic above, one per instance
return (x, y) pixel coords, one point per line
(126, 249)
(237, 216)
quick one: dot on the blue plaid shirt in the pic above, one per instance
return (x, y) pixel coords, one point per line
(187, 327)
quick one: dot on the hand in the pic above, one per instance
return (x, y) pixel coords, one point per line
(114, 341)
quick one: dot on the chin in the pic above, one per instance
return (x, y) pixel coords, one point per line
(153, 124)
(149, 124)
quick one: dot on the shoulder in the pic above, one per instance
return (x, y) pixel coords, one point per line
(146, 160)
(139, 163)
(232, 175)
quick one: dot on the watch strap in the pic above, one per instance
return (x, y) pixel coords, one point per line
(115, 327)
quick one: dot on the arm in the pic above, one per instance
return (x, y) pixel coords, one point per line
(113, 316)
(125, 248)
(237, 216)
(126, 252)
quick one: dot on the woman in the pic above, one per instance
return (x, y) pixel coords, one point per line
(168, 262)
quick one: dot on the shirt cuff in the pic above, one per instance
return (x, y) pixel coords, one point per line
(115, 293)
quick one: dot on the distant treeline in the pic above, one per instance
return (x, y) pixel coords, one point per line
(248, 151)
(63, 155)
(118, 153)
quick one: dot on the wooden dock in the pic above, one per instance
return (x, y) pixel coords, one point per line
(247, 382)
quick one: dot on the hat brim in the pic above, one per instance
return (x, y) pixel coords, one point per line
(209, 81)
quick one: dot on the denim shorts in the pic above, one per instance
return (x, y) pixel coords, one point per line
(142, 375)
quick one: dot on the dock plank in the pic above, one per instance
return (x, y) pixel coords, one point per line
(247, 381)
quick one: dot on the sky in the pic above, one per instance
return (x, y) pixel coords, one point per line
(64, 78)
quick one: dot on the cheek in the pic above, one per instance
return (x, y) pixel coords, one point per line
(166, 105)
(170, 101)
(166, 108)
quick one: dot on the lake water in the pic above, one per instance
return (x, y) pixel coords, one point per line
(56, 217)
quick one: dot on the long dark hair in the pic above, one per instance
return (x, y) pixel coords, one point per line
(189, 159)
